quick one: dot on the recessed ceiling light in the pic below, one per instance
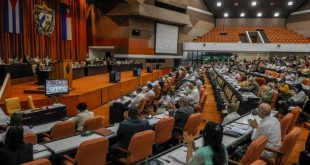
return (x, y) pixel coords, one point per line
(290, 3)
(254, 3)
(242, 14)
(225, 14)
(236, 4)
(259, 14)
(271, 3)
(276, 14)
(218, 4)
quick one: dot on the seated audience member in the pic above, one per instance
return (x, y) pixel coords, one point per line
(300, 96)
(150, 91)
(193, 94)
(15, 151)
(136, 99)
(4, 119)
(213, 150)
(198, 82)
(252, 87)
(290, 76)
(233, 114)
(266, 95)
(144, 90)
(283, 87)
(17, 121)
(183, 112)
(268, 126)
(82, 116)
(129, 127)
(299, 79)
(165, 99)
(237, 76)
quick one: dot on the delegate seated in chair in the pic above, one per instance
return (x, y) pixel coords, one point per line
(269, 126)
(15, 151)
(213, 151)
(299, 98)
(82, 116)
(129, 127)
(181, 115)
(233, 114)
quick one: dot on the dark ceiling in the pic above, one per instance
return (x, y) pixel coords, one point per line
(267, 7)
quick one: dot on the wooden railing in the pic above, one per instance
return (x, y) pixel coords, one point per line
(5, 90)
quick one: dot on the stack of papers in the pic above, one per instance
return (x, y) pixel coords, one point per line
(236, 129)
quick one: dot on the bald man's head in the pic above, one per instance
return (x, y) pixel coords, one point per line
(264, 110)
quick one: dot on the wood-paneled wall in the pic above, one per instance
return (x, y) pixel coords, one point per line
(30, 43)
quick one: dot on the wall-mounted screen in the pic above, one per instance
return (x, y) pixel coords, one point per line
(166, 39)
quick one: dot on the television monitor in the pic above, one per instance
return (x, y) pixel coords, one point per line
(115, 77)
(136, 72)
(56, 87)
(149, 69)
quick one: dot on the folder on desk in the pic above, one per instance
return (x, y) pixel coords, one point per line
(39, 148)
(235, 129)
(104, 132)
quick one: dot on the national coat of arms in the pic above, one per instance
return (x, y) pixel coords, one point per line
(44, 19)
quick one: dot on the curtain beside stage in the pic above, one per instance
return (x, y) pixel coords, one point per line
(29, 42)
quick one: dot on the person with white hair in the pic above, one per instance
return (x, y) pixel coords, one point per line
(183, 112)
(193, 94)
(269, 126)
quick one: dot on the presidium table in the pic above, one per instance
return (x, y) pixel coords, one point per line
(16, 71)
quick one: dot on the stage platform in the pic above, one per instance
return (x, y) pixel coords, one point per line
(96, 90)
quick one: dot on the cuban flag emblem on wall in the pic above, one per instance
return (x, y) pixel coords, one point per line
(13, 16)
(66, 29)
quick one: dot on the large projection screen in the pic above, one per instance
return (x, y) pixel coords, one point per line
(166, 39)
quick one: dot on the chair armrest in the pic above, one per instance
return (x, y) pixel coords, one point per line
(274, 151)
(123, 150)
(69, 159)
(47, 135)
(233, 162)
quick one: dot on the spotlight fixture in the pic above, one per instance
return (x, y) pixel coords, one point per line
(254, 3)
(259, 14)
(290, 3)
(276, 14)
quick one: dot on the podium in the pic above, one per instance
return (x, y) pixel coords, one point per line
(62, 70)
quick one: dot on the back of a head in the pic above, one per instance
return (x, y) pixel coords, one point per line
(81, 107)
(149, 86)
(139, 90)
(133, 113)
(271, 85)
(16, 119)
(299, 87)
(265, 108)
(14, 137)
(213, 136)
(183, 101)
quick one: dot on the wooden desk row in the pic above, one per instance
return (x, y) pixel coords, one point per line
(99, 97)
